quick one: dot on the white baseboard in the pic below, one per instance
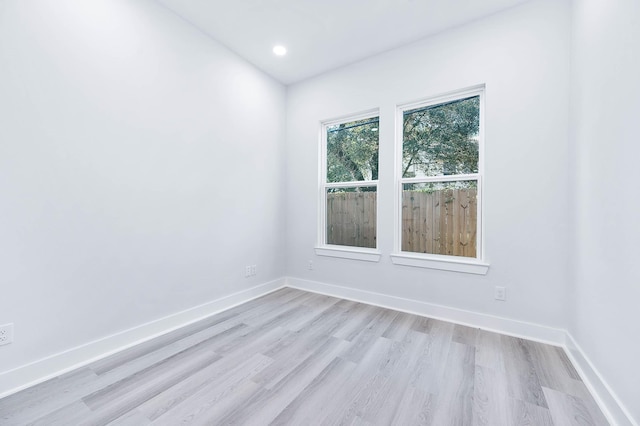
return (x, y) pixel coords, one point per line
(44, 369)
(37, 372)
(613, 409)
(540, 333)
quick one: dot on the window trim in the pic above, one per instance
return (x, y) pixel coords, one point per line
(334, 250)
(477, 265)
(347, 252)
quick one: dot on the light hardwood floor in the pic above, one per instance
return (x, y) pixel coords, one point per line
(299, 358)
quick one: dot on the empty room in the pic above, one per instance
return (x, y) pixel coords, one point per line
(297, 212)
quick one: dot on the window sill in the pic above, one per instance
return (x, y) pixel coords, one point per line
(345, 252)
(444, 264)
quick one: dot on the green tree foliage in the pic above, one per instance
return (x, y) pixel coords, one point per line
(352, 151)
(441, 139)
(437, 140)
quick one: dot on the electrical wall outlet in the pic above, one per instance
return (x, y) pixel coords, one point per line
(310, 265)
(6, 334)
(250, 270)
(500, 293)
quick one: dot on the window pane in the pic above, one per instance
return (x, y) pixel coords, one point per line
(440, 218)
(352, 151)
(441, 139)
(351, 216)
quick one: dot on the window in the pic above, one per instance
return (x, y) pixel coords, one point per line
(349, 185)
(440, 179)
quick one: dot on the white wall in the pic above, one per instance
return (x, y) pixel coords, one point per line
(606, 108)
(126, 135)
(140, 170)
(522, 55)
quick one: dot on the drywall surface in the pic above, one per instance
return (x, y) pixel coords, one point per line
(522, 56)
(606, 107)
(140, 171)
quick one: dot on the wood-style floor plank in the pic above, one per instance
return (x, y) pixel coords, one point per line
(523, 413)
(294, 357)
(454, 402)
(524, 382)
(268, 403)
(490, 397)
(358, 394)
(570, 410)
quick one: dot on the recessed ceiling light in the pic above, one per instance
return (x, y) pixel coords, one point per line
(279, 50)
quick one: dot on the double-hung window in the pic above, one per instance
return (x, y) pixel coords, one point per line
(439, 182)
(349, 186)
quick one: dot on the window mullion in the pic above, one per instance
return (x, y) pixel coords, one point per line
(354, 184)
(443, 178)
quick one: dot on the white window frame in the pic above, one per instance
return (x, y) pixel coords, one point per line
(332, 250)
(476, 265)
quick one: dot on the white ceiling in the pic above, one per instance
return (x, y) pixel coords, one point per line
(324, 34)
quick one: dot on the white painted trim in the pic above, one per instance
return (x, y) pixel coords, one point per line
(39, 371)
(511, 327)
(322, 172)
(362, 115)
(47, 368)
(444, 178)
(611, 406)
(477, 90)
(442, 98)
(442, 263)
(353, 184)
(349, 253)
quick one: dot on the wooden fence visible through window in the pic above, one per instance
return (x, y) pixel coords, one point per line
(439, 222)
